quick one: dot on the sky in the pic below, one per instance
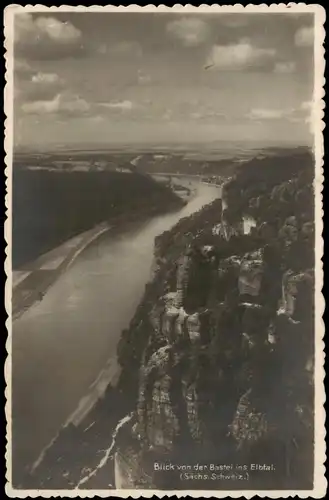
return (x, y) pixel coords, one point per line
(160, 78)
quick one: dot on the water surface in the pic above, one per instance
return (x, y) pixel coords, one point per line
(61, 344)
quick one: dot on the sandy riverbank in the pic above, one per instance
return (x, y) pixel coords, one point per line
(43, 272)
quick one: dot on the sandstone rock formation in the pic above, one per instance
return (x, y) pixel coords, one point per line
(234, 368)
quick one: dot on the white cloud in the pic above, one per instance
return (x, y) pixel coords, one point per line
(268, 114)
(97, 119)
(121, 105)
(74, 104)
(46, 78)
(238, 56)
(205, 114)
(143, 79)
(28, 28)
(304, 37)
(285, 67)
(307, 106)
(23, 27)
(40, 87)
(42, 107)
(307, 114)
(61, 32)
(300, 114)
(46, 38)
(190, 31)
(61, 103)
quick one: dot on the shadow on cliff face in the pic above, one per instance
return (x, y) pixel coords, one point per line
(234, 382)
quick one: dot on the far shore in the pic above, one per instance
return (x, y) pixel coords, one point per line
(39, 275)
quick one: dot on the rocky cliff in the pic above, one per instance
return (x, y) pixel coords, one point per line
(223, 341)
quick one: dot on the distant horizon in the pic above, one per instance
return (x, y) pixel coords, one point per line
(210, 145)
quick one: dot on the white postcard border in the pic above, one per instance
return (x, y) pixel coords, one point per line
(320, 482)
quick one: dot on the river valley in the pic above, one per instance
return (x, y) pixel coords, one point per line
(62, 344)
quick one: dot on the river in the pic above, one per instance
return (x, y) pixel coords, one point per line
(61, 344)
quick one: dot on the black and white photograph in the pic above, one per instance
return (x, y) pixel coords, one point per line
(164, 230)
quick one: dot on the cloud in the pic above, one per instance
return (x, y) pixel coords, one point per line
(120, 105)
(304, 113)
(96, 119)
(190, 31)
(304, 37)
(242, 55)
(46, 78)
(46, 37)
(205, 114)
(299, 114)
(22, 71)
(285, 67)
(39, 87)
(189, 113)
(266, 114)
(29, 28)
(143, 79)
(64, 104)
(306, 106)
(42, 107)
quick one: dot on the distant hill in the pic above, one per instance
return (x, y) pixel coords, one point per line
(50, 207)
